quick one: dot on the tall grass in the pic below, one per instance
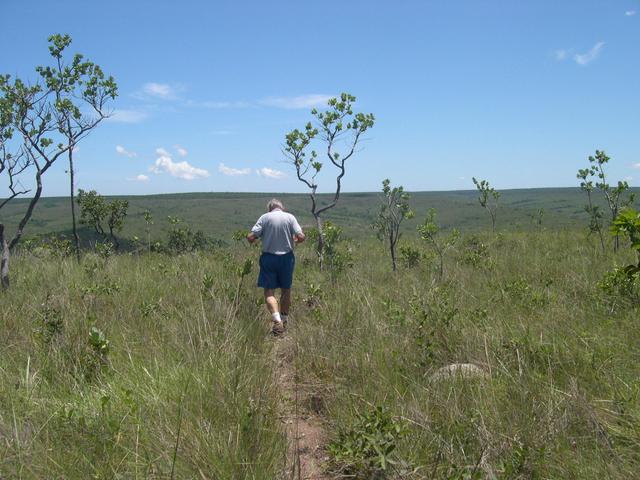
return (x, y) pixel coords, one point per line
(561, 393)
(184, 387)
(184, 391)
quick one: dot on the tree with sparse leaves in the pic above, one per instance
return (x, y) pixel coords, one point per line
(593, 210)
(44, 121)
(393, 211)
(429, 231)
(488, 199)
(75, 86)
(614, 195)
(335, 127)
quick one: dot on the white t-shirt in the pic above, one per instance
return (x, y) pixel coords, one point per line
(277, 229)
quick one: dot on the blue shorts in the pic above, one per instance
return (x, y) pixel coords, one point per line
(276, 271)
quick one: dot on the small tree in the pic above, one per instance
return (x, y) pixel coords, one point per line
(430, 232)
(11, 165)
(628, 223)
(26, 110)
(115, 220)
(594, 212)
(394, 209)
(337, 126)
(488, 199)
(148, 220)
(75, 86)
(41, 122)
(614, 196)
(95, 210)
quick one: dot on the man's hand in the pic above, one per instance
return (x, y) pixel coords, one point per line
(251, 238)
(299, 238)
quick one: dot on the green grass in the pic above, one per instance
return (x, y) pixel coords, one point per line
(189, 352)
(562, 397)
(179, 359)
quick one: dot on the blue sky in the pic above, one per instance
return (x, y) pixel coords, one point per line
(519, 93)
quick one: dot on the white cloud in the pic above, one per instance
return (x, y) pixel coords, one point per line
(295, 102)
(183, 170)
(211, 104)
(635, 165)
(590, 56)
(142, 178)
(127, 116)
(628, 178)
(302, 101)
(560, 55)
(232, 172)
(630, 13)
(161, 90)
(123, 151)
(271, 173)
(181, 150)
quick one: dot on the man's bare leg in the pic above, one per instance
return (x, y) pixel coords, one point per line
(272, 304)
(270, 299)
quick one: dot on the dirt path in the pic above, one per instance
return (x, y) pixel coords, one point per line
(305, 433)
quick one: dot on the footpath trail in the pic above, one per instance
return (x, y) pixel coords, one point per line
(305, 433)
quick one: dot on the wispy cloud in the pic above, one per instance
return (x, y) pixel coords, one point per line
(222, 132)
(290, 103)
(120, 150)
(232, 172)
(301, 101)
(586, 58)
(141, 178)
(161, 90)
(127, 116)
(271, 173)
(635, 165)
(223, 105)
(561, 54)
(183, 170)
(181, 150)
(630, 13)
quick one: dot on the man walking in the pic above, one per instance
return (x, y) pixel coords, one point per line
(279, 232)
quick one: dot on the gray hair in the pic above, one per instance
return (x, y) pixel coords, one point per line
(274, 203)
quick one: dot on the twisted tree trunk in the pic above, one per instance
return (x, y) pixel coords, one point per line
(320, 248)
(76, 238)
(4, 260)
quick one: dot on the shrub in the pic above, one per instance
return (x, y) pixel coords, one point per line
(366, 449)
(410, 256)
(619, 283)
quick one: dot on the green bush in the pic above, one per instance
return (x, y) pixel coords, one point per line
(366, 449)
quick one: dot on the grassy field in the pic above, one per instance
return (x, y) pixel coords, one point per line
(220, 214)
(177, 378)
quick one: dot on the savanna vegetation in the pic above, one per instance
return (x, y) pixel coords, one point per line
(140, 365)
(459, 347)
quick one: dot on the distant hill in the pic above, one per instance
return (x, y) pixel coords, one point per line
(220, 214)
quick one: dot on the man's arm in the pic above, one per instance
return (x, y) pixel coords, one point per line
(298, 234)
(256, 231)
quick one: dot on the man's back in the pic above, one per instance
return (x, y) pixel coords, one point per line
(277, 229)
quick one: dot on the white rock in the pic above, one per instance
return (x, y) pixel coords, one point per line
(463, 370)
